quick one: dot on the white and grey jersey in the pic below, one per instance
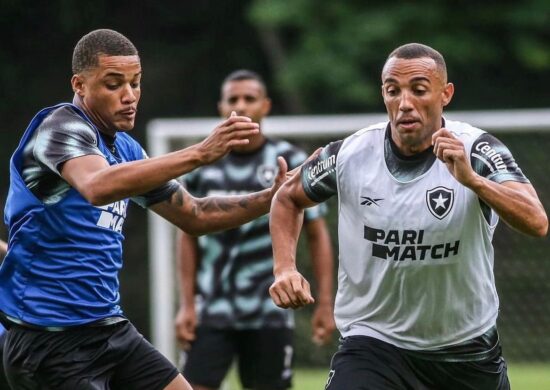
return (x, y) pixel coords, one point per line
(62, 136)
(416, 259)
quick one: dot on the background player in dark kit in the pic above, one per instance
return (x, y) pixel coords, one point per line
(229, 273)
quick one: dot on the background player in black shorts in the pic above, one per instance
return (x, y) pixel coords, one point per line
(228, 274)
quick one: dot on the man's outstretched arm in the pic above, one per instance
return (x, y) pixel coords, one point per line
(197, 216)
(102, 184)
(290, 289)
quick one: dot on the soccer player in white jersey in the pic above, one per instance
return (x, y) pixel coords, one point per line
(419, 199)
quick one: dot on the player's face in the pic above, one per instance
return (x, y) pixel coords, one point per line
(245, 97)
(110, 92)
(415, 92)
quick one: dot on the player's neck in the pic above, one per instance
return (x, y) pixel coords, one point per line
(256, 142)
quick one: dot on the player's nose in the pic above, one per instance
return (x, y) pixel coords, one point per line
(405, 101)
(240, 105)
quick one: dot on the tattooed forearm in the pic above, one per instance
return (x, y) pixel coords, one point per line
(229, 203)
(198, 216)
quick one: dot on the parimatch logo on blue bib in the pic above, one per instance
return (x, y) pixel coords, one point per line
(113, 215)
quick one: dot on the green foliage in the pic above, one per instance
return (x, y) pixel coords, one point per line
(334, 50)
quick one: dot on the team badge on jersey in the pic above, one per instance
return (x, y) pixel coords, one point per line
(266, 175)
(440, 201)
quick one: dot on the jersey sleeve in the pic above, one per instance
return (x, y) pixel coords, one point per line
(491, 159)
(311, 213)
(319, 174)
(62, 136)
(157, 195)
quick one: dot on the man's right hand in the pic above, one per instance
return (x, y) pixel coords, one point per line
(234, 131)
(186, 323)
(290, 290)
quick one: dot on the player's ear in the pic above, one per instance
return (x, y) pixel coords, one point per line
(220, 110)
(77, 83)
(448, 93)
(266, 107)
(383, 92)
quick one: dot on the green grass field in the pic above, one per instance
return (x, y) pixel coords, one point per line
(522, 376)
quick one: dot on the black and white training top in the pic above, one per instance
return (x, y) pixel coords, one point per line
(236, 265)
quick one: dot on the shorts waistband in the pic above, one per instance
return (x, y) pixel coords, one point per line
(10, 322)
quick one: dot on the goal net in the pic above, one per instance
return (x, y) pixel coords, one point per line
(520, 262)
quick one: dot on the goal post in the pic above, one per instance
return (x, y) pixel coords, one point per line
(162, 133)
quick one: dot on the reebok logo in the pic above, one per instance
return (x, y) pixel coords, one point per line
(369, 201)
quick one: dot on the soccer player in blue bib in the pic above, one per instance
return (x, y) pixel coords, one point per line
(419, 199)
(226, 313)
(71, 179)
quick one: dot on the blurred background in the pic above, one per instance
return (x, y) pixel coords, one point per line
(317, 57)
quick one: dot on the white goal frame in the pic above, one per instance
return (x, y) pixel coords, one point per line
(162, 132)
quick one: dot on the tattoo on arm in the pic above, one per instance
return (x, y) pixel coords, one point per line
(227, 203)
(213, 204)
(181, 197)
(177, 197)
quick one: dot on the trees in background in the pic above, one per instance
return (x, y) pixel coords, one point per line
(327, 55)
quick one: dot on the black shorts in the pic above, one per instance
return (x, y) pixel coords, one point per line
(369, 364)
(264, 357)
(85, 358)
(3, 380)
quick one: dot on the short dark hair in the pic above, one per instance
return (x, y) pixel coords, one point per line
(418, 50)
(244, 74)
(98, 42)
